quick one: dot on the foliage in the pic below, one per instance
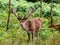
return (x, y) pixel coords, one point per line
(45, 33)
(33, 0)
(56, 1)
(56, 20)
(16, 35)
(24, 8)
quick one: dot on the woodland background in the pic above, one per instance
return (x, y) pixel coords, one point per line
(16, 35)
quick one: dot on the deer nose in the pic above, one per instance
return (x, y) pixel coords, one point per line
(22, 24)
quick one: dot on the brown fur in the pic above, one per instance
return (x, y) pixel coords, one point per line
(32, 25)
(56, 26)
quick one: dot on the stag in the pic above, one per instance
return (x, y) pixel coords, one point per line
(30, 26)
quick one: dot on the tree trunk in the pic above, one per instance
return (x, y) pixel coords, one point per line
(8, 16)
(51, 14)
(40, 8)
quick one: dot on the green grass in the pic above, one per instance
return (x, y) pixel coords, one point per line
(53, 40)
(17, 36)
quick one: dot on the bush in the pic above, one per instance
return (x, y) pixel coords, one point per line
(56, 1)
(33, 0)
(46, 33)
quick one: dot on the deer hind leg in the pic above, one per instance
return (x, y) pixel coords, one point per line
(37, 35)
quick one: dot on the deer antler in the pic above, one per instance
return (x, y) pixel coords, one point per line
(30, 13)
(14, 12)
(25, 17)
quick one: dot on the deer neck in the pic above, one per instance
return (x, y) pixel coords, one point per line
(23, 25)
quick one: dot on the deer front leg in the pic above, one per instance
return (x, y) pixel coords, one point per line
(28, 37)
(33, 35)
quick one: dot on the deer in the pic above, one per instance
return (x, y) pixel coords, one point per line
(30, 26)
(56, 26)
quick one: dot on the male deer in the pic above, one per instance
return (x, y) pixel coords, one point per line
(30, 26)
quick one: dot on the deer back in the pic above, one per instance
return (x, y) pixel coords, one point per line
(32, 25)
(36, 24)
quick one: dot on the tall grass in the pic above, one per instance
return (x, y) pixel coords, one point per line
(53, 40)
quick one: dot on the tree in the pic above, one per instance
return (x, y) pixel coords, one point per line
(8, 16)
(51, 14)
(40, 8)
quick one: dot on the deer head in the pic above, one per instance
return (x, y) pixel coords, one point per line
(25, 17)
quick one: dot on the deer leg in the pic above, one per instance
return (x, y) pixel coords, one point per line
(28, 37)
(33, 35)
(37, 35)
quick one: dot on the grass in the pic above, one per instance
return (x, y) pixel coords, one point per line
(17, 36)
(53, 40)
